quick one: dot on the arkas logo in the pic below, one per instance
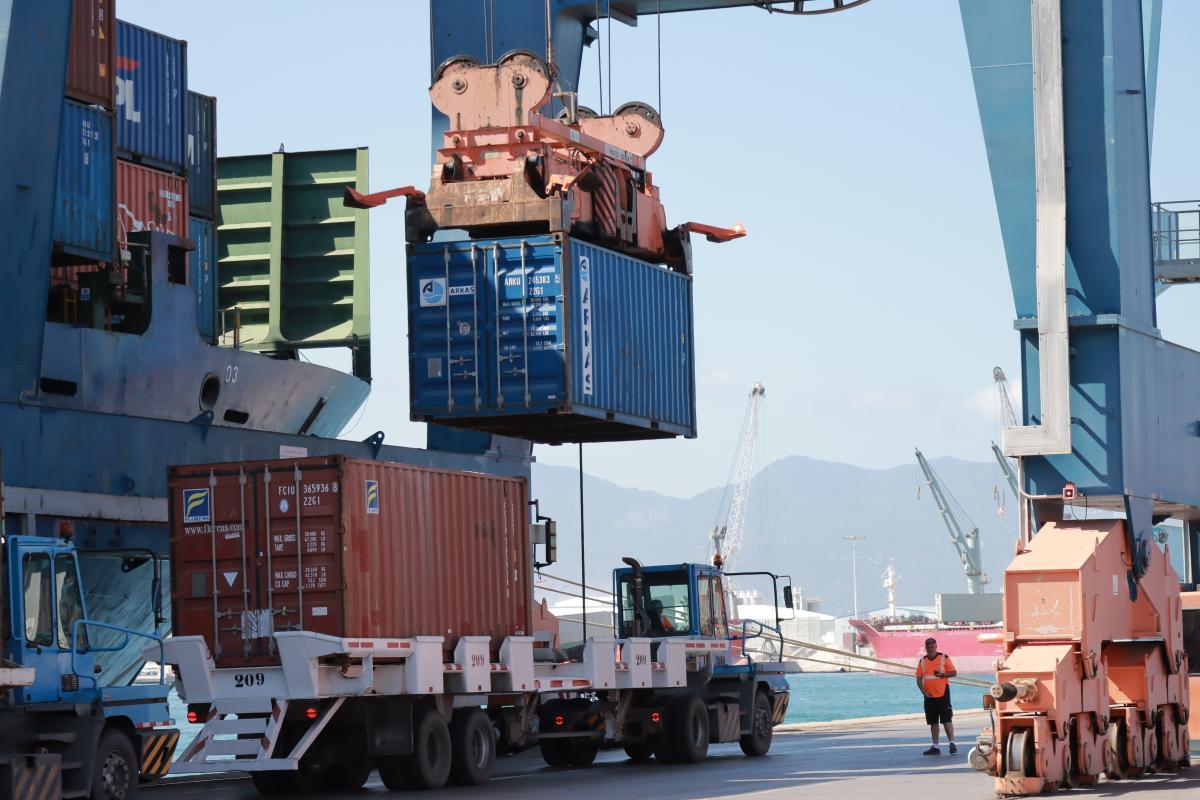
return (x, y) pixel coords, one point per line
(585, 327)
(433, 292)
(196, 506)
(372, 497)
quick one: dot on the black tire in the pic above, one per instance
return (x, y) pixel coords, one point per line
(556, 752)
(472, 747)
(582, 752)
(757, 742)
(115, 773)
(348, 775)
(640, 752)
(429, 765)
(687, 730)
(276, 784)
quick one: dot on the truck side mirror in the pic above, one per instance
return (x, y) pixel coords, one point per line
(787, 596)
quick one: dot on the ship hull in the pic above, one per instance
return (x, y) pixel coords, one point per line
(908, 645)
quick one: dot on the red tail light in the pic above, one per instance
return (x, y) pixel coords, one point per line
(193, 717)
(558, 720)
(310, 712)
(655, 717)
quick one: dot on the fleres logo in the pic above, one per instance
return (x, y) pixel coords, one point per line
(196, 506)
(372, 497)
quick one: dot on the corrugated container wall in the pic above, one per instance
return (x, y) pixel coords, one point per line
(385, 550)
(202, 275)
(149, 200)
(151, 85)
(549, 339)
(91, 57)
(202, 154)
(83, 204)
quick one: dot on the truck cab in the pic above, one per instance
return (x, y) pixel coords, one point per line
(675, 612)
(677, 600)
(107, 739)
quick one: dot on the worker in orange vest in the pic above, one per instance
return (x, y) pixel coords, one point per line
(934, 671)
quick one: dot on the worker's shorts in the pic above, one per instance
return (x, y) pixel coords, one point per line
(937, 709)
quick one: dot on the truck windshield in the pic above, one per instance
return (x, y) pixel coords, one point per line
(667, 604)
(70, 606)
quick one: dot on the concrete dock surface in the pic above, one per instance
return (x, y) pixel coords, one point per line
(878, 758)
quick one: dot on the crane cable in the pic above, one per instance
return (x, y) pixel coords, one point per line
(807, 645)
(599, 61)
(659, 32)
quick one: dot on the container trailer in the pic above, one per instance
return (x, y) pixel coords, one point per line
(370, 531)
(407, 647)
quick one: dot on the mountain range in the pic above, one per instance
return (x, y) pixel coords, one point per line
(798, 513)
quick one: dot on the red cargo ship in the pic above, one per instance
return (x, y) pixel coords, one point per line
(904, 641)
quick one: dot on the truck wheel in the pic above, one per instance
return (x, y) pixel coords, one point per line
(115, 773)
(687, 730)
(556, 752)
(758, 741)
(276, 783)
(429, 765)
(582, 752)
(472, 747)
(639, 752)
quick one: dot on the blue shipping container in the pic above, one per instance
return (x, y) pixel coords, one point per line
(202, 154)
(84, 204)
(202, 275)
(151, 87)
(549, 339)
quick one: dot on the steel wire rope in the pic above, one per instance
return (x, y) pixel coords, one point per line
(659, 33)
(976, 682)
(599, 61)
(608, 11)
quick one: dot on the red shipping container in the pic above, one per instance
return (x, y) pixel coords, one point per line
(388, 551)
(92, 53)
(149, 200)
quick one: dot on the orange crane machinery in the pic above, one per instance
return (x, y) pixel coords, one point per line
(1092, 683)
(507, 168)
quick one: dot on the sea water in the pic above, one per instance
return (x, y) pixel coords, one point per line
(825, 696)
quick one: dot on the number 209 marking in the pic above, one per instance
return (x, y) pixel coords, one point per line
(246, 680)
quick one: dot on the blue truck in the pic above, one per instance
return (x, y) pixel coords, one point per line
(65, 729)
(729, 696)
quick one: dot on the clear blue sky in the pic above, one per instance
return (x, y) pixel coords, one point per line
(870, 297)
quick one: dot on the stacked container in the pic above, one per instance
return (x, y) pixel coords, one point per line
(201, 151)
(84, 194)
(151, 90)
(132, 139)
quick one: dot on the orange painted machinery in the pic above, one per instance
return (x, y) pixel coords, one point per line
(504, 168)
(1094, 678)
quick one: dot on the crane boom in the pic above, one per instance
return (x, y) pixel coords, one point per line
(1006, 467)
(1008, 415)
(965, 539)
(727, 536)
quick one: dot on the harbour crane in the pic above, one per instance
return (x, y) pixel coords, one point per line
(1008, 418)
(727, 535)
(964, 533)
